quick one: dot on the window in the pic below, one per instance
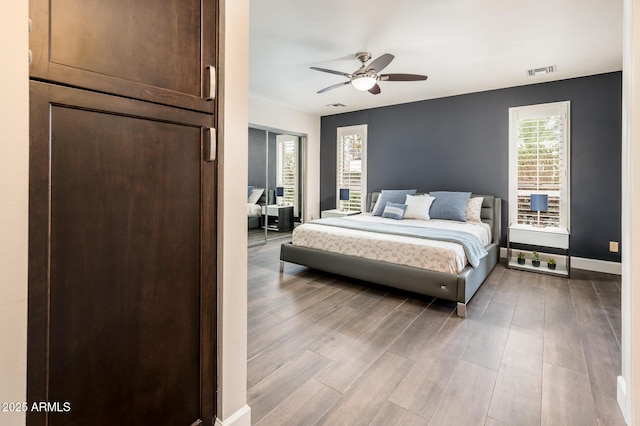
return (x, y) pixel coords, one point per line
(287, 169)
(539, 163)
(352, 167)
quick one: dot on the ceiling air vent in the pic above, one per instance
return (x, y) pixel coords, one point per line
(336, 105)
(543, 70)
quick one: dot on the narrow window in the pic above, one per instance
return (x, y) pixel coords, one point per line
(352, 167)
(287, 169)
(539, 164)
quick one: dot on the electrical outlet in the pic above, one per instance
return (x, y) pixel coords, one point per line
(613, 246)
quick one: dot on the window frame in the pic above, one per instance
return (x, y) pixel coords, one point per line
(292, 192)
(360, 129)
(516, 114)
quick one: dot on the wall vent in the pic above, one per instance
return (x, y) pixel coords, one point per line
(338, 105)
(543, 70)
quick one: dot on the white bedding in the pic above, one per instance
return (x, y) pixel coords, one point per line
(254, 209)
(433, 255)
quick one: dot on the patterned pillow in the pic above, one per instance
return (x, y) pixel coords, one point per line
(418, 206)
(255, 195)
(449, 205)
(394, 211)
(474, 209)
(390, 196)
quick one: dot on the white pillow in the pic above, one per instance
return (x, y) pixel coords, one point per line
(418, 206)
(474, 208)
(255, 195)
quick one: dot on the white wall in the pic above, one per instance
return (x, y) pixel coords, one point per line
(267, 114)
(629, 381)
(232, 215)
(14, 163)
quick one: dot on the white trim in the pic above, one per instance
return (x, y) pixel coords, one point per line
(630, 296)
(242, 417)
(281, 140)
(516, 114)
(597, 265)
(622, 397)
(593, 265)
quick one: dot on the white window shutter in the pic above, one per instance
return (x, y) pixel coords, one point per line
(539, 163)
(351, 167)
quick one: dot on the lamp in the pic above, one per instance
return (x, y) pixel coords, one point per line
(364, 82)
(279, 194)
(344, 195)
(539, 203)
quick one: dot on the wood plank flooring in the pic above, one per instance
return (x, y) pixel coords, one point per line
(534, 350)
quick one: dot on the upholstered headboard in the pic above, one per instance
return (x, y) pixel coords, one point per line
(491, 212)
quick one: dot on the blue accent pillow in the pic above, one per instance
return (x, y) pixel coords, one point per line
(449, 205)
(250, 189)
(391, 196)
(394, 211)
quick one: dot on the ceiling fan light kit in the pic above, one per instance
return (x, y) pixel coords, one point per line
(363, 82)
(366, 77)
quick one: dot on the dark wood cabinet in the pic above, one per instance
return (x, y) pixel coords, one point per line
(122, 244)
(158, 51)
(121, 261)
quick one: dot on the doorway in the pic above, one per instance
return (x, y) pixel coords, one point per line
(275, 193)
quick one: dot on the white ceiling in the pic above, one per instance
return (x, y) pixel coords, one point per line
(463, 46)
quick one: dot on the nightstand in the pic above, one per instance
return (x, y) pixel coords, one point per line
(548, 242)
(337, 213)
(279, 218)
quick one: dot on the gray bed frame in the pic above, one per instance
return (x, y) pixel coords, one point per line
(456, 288)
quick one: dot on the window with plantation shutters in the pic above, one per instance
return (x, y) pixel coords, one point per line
(287, 169)
(539, 163)
(352, 167)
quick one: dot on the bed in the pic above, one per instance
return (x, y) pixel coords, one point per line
(354, 251)
(255, 200)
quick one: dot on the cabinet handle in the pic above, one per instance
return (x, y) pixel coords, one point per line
(211, 92)
(210, 146)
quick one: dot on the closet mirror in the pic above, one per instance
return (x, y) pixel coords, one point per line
(274, 194)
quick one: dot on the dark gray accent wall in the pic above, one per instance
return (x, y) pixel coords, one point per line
(461, 143)
(257, 163)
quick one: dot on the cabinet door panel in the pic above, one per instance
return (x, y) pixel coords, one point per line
(151, 50)
(121, 288)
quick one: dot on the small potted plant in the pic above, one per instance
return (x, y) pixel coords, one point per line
(521, 258)
(551, 263)
(535, 259)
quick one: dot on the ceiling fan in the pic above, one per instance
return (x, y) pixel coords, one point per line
(366, 77)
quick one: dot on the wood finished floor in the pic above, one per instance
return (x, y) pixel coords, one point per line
(534, 350)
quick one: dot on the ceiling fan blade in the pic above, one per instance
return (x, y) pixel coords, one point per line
(379, 63)
(402, 77)
(333, 87)
(331, 71)
(375, 90)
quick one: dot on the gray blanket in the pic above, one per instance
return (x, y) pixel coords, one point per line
(472, 246)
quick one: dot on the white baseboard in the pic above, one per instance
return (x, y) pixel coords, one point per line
(242, 417)
(597, 265)
(594, 265)
(622, 398)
